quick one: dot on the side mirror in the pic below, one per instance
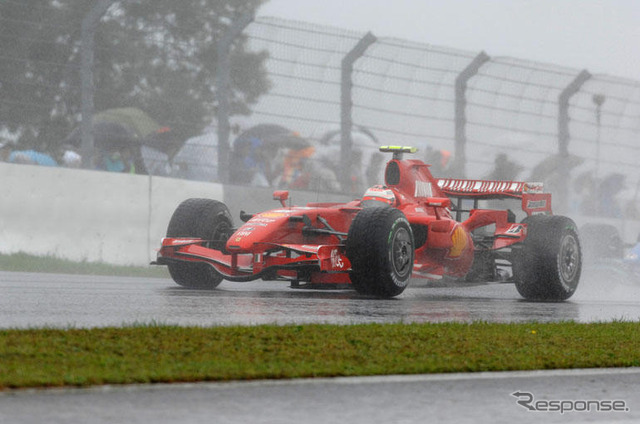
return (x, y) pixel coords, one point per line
(282, 196)
(439, 202)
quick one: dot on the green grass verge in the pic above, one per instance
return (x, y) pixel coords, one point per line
(154, 354)
(22, 262)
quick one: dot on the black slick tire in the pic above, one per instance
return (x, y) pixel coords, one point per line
(380, 247)
(547, 266)
(199, 218)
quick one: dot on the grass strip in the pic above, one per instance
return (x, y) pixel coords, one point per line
(22, 262)
(165, 354)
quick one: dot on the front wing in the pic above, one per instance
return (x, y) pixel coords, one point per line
(299, 262)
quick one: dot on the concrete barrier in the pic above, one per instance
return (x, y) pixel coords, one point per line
(107, 217)
(120, 218)
(87, 215)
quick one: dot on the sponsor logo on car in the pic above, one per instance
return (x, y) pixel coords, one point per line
(459, 238)
(423, 189)
(515, 229)
(274, 214)
(536, 204)
(179, 241)
(261, 221)
(533, 188)
(336, 259)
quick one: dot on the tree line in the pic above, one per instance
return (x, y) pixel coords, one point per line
(156, 55)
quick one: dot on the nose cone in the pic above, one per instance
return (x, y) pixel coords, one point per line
(259, 229)
(243, 239)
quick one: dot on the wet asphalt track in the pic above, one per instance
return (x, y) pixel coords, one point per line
(48, 300)
(441, 398)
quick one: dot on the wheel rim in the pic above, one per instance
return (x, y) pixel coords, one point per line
(569, 258)
(401, 252)
(220, 233)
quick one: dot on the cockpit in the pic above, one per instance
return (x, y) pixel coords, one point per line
(378, 196)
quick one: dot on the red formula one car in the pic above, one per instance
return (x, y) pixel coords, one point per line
(412, 226)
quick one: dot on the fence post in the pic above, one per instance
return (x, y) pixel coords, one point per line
(88, 29)
(346, 106)
(460, 117)
(223, 73)
(561, 197)
(563, 111)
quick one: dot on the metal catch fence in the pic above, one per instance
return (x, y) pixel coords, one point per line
(333, 96)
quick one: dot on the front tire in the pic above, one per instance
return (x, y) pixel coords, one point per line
(380, 247)
(205, 219)
(549, 263)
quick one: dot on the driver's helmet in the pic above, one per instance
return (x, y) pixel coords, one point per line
(377, 196)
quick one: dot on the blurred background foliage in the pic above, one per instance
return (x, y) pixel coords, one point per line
(156, 55)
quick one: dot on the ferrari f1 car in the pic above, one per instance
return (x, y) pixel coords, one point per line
(412, 226)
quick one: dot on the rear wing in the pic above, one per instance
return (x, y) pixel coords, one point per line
(534, 200)
(485, 189)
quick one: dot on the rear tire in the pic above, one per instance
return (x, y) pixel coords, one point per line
(199, 218)
(548, 265)
(380, 247)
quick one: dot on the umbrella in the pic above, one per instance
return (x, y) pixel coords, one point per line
(130, 117)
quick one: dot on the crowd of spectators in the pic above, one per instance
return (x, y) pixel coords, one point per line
(64, 156)
(127, 140)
